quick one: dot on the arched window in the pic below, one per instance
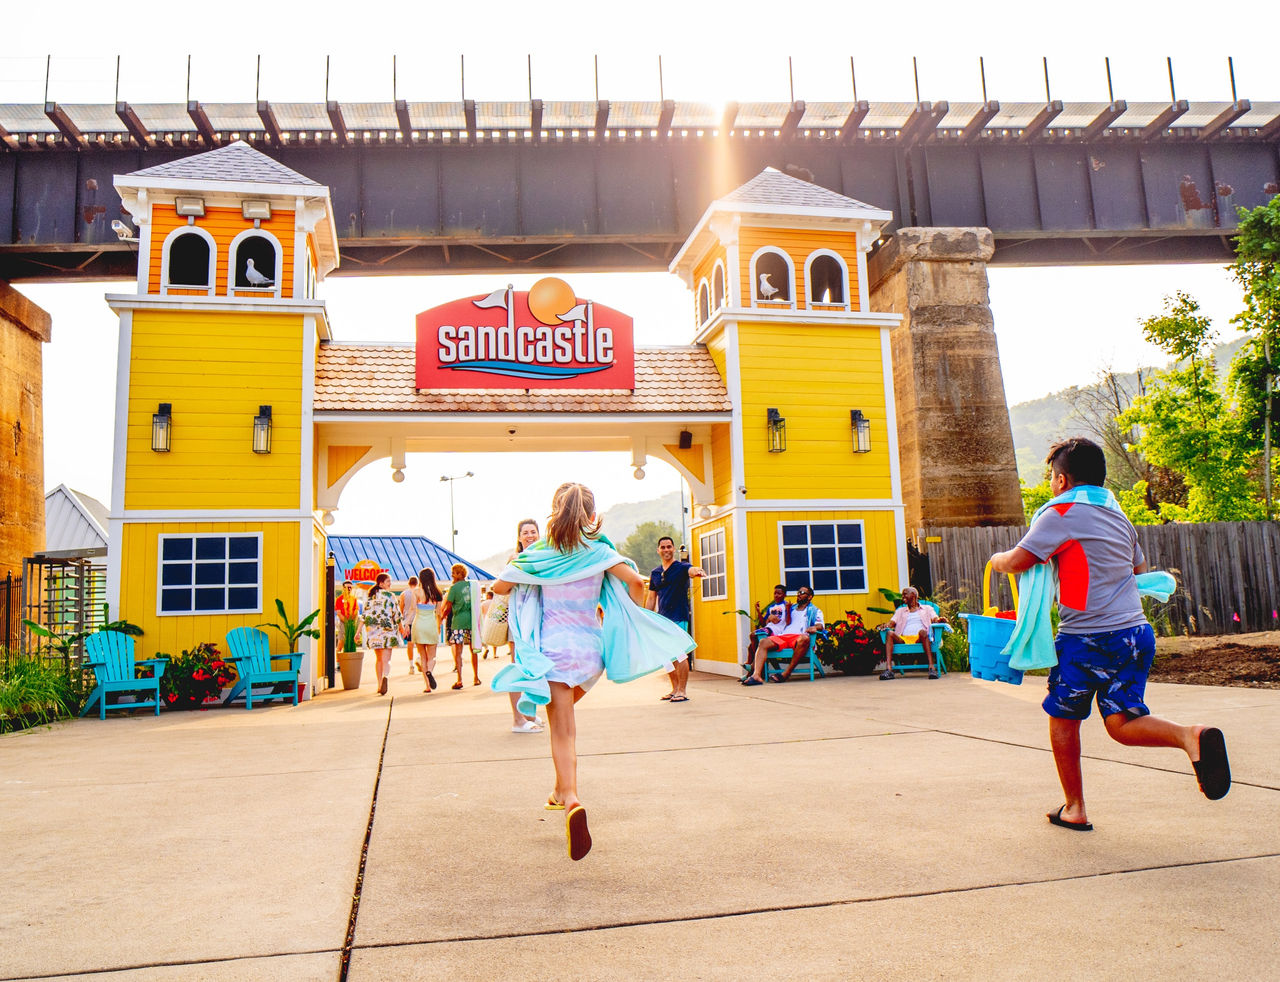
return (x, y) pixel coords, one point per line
(254, 262)
(704, 303)
(771, 277)
(187, 261)
(717, 286)
(827, 277)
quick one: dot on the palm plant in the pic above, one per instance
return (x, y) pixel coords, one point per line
(293, 631)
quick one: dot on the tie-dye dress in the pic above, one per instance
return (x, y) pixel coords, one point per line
(572, 637)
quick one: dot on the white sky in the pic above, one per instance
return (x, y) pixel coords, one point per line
(710, 52)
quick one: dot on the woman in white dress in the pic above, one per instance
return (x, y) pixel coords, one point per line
(382, 626)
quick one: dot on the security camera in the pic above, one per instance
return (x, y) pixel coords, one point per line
(123, 232)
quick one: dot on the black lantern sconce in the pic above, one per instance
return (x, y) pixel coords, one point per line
(262, 430)
(777, 432)
(162, 427)
(861, 431)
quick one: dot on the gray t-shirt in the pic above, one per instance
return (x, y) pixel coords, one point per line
(1095, 550)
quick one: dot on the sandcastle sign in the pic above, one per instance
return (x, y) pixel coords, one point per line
(543, 338)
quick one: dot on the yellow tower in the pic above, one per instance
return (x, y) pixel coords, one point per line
(807, 487)
(212, 503)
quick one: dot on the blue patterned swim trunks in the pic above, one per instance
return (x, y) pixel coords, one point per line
(1111, 665)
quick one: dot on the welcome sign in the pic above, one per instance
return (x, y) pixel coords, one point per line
(544, 337)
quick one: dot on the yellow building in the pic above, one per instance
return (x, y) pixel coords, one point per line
(806, 486)
(239, 424)
(212, 503)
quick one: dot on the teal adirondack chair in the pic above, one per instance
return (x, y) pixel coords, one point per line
(777, 661)
(251, 654)
(110, 655)
(935, 637)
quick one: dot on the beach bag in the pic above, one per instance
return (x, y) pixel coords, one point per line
(493, 629)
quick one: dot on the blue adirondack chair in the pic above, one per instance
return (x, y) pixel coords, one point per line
(935, 637)
(252, 657)
(777, 661)
(110, 655)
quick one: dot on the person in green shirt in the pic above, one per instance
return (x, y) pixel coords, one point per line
(457, 607)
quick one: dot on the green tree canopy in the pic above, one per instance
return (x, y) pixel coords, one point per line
(641, 546)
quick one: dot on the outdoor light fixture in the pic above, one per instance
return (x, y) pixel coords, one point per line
(861, 431)
(777, 432)
(453, 522)
(260, 210)
(189, 207)
(262, 430)
(162, 427)
(686, 440)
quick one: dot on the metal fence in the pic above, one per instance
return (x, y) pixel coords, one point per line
(1228, 572)
(10, 612)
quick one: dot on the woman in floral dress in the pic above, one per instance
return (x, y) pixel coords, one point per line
(383, 628)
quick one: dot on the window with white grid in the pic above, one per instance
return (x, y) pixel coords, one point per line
(210, 574)
(715, 585)
(830, 557)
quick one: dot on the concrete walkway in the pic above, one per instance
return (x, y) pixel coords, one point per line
(838, 829)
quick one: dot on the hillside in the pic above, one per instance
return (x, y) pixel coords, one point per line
(1038, 423)
(619, 522)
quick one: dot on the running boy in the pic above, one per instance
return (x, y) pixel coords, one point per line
(1104, 643)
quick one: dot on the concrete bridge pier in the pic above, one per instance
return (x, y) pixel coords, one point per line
(954, 436)
(24, 327)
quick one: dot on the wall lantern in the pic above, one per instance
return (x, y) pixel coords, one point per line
(189, 207)
(861, 431)
(262, 430)
(777, 432)
(162, 427)
(256, 210)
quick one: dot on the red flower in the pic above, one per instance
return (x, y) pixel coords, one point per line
(171, 697)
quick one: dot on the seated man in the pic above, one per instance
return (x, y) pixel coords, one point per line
(912, 623)
(796, 633)
(760, 626)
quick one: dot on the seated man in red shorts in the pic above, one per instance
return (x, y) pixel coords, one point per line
(797, 634)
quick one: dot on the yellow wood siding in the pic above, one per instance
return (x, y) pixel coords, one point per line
(224, 224)
(342, 459)
(797, 244)
(713, 624)
(215, 369)
(139, 560)
(813, 376)
(880, 541)
(722, 462)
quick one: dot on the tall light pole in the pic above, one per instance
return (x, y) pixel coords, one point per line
(453, 542)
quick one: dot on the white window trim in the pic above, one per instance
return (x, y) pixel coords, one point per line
(703, 287)
(161, 562)
(754, 281)
(169, 239)
(866, 572)
(724, 556)
(232, 254)
(808, 280)
(724, 285)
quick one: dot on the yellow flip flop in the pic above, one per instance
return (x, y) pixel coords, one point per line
(553, 806)
(576, 832)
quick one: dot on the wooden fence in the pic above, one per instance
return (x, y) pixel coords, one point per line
(1228, 572)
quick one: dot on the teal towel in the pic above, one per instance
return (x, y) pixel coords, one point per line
(1031, 645)
(636, 641)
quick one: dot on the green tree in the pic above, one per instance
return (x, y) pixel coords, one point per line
(1186, 422)
(642, 544)
(1033, 497)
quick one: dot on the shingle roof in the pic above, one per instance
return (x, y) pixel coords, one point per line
(402, 555)
(380, 378)
(237, 162)
(772, 187)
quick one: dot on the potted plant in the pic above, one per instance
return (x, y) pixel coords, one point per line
(193, 678)
(350, 658)
(293, 631)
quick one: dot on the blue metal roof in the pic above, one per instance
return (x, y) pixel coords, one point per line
(403, 555)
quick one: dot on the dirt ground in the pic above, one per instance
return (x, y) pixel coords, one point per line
(1251, 660)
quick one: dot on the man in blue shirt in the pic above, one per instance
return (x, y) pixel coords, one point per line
(669, 596)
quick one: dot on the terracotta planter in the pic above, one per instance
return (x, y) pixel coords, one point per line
(351, 664)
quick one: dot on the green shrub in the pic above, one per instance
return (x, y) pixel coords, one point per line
(33, 692)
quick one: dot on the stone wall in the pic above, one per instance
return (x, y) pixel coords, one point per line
(954, 437)
(24, 327)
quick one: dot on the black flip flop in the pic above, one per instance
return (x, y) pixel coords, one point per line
(577, 833)
(752, 681)
(1056, 818)
(1212, 770)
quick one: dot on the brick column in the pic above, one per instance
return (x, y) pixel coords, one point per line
(954, 437)
(23, 328)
